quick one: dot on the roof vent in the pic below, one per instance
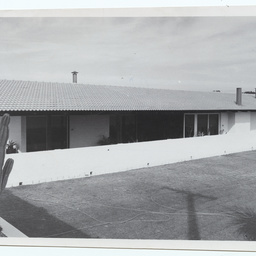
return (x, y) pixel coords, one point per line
(239, 96)
(74, 76)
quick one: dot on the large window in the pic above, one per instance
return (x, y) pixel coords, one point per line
(145, 126)
(46, 132)
(36, 133)
(189, 125)
(201, 124)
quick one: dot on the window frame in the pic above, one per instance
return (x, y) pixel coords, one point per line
(48, 129)
(196, 122)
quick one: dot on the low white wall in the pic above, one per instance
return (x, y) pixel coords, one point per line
(36, 167)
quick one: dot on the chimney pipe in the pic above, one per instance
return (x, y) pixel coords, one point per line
(74, 76)
(239, 96)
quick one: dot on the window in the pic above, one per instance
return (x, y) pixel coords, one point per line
(189, 125)
(214, 124)
(46, 132)
(201, 124)
(36, 133)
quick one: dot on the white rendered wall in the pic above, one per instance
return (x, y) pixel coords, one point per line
(44, 166)
(239, 122)
(243, 121)
(86, 130)
(23, 145)
(15, 130)
(224, 123)
(231, 121)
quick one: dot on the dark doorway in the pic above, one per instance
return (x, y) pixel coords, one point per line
(46, 132)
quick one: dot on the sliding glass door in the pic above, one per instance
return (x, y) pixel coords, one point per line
(46, 132)
(201, 124)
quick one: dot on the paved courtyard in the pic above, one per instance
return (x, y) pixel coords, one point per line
(207, 199)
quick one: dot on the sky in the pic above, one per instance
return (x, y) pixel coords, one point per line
(57, 4)
(180, 53)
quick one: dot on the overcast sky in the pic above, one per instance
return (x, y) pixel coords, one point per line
(187, 53)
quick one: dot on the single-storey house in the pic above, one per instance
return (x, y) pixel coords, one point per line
(47, 116)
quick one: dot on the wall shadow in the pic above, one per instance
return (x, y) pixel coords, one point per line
(34, 221)
(193, 228)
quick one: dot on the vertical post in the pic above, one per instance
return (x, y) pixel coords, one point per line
(121, 129)
(184, 124)
(136, 127)
(48, 132)
(195, 126)
(68, 130)
(208, 125)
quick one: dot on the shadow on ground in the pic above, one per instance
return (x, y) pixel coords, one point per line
(193, 232)
(245, 221)
(34, 221)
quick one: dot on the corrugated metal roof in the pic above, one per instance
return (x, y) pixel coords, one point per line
(44, 96)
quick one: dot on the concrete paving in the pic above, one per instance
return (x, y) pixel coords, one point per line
(207, 199)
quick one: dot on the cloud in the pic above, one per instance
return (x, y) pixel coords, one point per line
(200, 52)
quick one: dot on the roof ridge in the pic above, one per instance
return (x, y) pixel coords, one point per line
(108, 86)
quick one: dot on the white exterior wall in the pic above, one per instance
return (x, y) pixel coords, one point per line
(231, 121)
(36, 167)
(240, 122)
(23, 145)
(87, 130)
(224, 123)
(17, 131)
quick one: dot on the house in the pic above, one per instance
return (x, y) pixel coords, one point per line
(47, 116)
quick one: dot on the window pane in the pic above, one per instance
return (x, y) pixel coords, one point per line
(57, 132)
(36, 133)
(214, 124)
(45, 133)
(189, 125)
(114, 129)
(202, 124)
(129, 129)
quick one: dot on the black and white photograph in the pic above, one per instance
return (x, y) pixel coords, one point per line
(128, 127)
